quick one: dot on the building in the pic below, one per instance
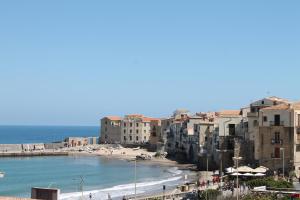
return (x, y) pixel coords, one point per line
(253, 121)
(228, 128)
(279, 135)
(187, 134)
(138, 129)
(110, 129)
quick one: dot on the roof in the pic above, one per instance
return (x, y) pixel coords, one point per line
(284, 106)
(225, 113)
(114, 118)
(149, 119)
(278, 107)
(135, 115)
(274, 98)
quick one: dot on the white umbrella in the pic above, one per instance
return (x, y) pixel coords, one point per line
(248, 174)
(260, 169)
(244, 169)
(259, 174)
(230, 170)
(236, 174)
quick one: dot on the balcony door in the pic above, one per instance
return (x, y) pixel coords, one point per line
(277, 120)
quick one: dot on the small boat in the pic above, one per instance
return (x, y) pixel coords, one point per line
(2, 174)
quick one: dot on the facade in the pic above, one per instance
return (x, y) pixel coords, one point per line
(76, 141)
(138, 129)
(279, 135)
(110, 129)
(228, 128)
(187, 135)
(253, 120)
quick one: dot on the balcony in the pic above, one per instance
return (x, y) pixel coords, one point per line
(252, 114)
(273, 141)
(274, 123)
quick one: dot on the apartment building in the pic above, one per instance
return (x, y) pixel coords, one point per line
(138, 129)
(187, 134)
(279, 137)
(110, 129)
(253, 120)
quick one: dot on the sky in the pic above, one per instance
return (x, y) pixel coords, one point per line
(72, 62)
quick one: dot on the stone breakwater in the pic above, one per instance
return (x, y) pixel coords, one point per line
(38, 149)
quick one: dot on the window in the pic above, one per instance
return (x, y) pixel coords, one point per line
(297, 147)
(137, 131)
(137, 138)
(130, 131)
(298, 119)
(277, 138)
(265, 118)
(231, 129)
(124, 124)
(124, 130)
(145, 138)
(105, 122)
(262, 102)
(145, 124)
(145, 131)
(130, 124)
(105, 136)
(277, 152)
(137, 124)
(130, 137)
(124, 138)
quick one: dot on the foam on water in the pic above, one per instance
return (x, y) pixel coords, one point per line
(126, 189)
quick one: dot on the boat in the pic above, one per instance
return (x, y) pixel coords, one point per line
(2, 174)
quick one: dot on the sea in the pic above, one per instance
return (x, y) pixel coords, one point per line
(78, 177)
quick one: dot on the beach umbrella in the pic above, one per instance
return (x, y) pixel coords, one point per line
(230, 170)
(236, 174)
(260, 169)
(248, 174)
(259, 174)
(244, 169)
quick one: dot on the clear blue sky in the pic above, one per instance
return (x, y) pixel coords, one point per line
(73, 62)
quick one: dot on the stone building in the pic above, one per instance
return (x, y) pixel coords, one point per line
(138, 129)
(110, 129)
(279, 135)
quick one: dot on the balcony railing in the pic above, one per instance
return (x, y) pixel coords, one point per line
(273, 123)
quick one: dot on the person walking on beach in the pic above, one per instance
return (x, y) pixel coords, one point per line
(90, 195)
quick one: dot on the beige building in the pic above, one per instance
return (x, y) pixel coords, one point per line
(253, 120)
(138, 129)
(279, 135)
(110, 129)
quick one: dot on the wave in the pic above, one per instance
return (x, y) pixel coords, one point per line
(125, 189)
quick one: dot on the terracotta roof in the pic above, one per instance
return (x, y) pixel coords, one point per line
(135, 115)
(230, 113)
(149, 119)
(114, 118)
(278, 107)
(274, 98)
(296, 105)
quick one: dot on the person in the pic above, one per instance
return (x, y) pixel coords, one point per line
(124, 198)
(90, 195)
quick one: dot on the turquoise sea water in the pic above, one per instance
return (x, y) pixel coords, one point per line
(116, 176)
